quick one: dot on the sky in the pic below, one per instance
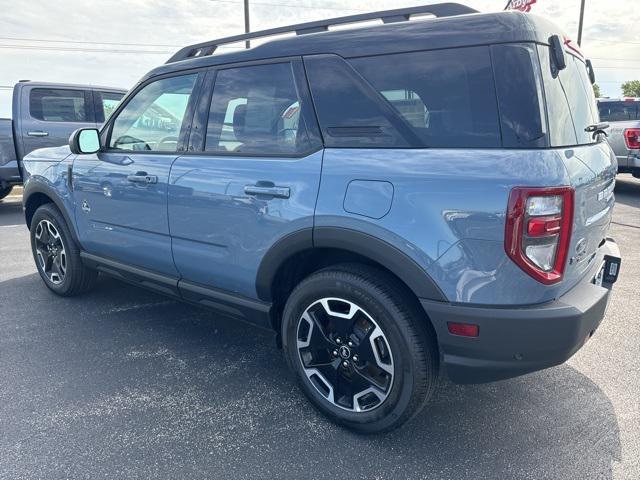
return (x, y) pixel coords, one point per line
(115, 42)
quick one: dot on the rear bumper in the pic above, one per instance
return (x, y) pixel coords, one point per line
(629, 163)
(515, 341)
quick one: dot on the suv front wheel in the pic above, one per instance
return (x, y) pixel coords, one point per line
(56, 254)
(359, 347)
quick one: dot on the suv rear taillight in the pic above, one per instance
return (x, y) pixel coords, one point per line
(632, 138)
(538, 230)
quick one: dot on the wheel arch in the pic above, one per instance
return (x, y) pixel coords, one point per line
(36, 195)
(301, 253)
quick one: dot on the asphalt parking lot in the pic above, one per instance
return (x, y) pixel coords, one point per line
(122, 383)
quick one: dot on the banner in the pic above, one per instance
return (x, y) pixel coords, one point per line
(522, 5)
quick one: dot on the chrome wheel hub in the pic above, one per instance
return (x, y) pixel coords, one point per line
(50, 252)
(345, 354)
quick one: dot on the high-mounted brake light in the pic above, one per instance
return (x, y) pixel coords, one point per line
(632, 138)
(538, 230)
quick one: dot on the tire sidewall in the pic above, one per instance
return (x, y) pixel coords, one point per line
(47, 213)
(356, 290)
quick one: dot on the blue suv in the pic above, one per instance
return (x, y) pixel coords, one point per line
(424, 195)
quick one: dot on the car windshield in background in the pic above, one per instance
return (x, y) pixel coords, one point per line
(619, 110)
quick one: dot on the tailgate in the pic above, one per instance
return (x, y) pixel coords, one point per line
(592, 170)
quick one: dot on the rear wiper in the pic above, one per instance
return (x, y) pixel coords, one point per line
(597, 129)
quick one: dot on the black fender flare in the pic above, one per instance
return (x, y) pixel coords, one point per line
(373, 248)
(35, 187)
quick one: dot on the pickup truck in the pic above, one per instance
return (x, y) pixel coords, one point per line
(44, 115)
(623, 116)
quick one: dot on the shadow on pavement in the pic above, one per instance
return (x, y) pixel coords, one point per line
(11, 212)
(124, 382)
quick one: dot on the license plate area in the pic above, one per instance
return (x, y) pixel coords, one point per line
(608, 271)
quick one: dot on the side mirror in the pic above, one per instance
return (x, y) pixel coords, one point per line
(557, 49)
(84, 140)
(590, 72)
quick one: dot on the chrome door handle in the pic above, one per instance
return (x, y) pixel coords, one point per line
(38, 133)
(276, 192)
(143, 178)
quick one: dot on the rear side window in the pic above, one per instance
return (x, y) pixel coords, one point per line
(58, 105)
(619, 111)
(520, 99)
(256, 109)
(446, 97)
(106, 103)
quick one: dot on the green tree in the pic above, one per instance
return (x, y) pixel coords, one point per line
(631, 88)
(596, 90)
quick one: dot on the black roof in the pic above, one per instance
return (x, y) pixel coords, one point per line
(420, 34)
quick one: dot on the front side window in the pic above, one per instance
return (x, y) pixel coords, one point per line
(106, 103)
(256, 110)
(152, 120)
(58, 105)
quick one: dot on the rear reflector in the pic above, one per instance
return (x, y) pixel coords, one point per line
(632, 138)
(463, 329)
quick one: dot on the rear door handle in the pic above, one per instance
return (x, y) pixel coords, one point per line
(142, 177)
(38, 133)
(275, 192)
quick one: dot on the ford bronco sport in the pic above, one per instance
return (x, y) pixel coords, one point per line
(424, 195)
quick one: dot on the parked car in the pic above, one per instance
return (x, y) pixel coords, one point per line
(45, 115)
(391, 200)
(623, 114)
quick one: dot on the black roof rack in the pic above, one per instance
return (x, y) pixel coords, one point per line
(387, 16)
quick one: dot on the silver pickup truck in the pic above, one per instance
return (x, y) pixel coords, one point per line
(44, 115)
(623, 116)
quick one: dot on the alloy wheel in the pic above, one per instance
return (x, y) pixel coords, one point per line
(345, 354)
(50, 251)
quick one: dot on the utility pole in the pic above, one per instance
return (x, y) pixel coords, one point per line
(247, 44)
(580, 24)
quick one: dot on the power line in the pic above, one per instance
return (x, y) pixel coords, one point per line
(612, 41)
(81, 49)
(47, 40)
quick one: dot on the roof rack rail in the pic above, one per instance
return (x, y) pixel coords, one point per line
(387, 16)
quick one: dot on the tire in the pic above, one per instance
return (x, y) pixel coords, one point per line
(390, 342)
(56, 254)
(5, 191)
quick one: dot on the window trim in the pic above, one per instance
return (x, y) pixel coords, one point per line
(198, 137)
(183, 136)
(88, 104)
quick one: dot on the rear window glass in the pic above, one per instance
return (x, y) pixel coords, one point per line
(570, 100)
(58, 105)
(446, 97)
(618, 111)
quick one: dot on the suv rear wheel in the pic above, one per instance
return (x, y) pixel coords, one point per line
(359, 348)
(5, 191)
(56, 254)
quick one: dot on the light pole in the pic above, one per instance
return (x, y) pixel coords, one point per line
(580, 24)
(247, 44)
